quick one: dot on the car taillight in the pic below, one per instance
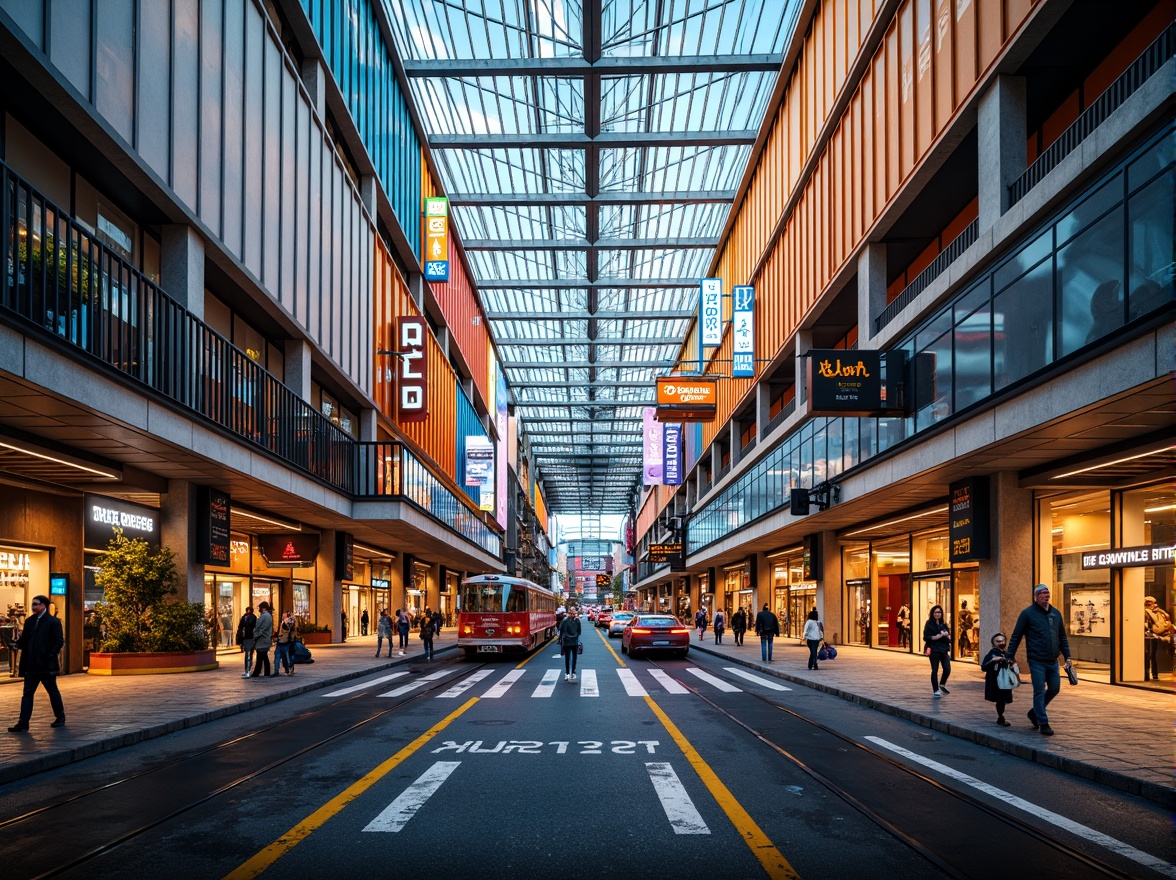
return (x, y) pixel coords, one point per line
(680, 631)
(640, 630)
(467, 630)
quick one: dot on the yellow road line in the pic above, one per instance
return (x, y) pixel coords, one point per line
(264, 859)
(616, 656)
(773, 861)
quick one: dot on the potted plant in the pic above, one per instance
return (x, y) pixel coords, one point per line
(314, 633)
(145, 628)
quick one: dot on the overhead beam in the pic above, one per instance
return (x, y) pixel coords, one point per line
(686, 197)
(580, 284)
(636, 314)
(610, 66)
(580, 365)
(609, 140)
(584, 340)
(581, 244)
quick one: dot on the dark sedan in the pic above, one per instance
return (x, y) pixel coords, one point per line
(655, 632)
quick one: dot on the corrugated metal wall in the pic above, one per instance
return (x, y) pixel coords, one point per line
(468, 425)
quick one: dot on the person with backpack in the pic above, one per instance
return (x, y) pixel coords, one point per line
(1157, 629)
(245, 638)
(813, 634)
(700, 622)
(263, 634)
(767, 627)
(739, 624)
(427, 635)
(720, 626)
(363, 623)
(569, 643)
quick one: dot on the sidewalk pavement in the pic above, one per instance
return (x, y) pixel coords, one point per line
(1118, 736)
(104, 713)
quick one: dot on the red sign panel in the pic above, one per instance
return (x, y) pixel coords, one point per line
(412, 383)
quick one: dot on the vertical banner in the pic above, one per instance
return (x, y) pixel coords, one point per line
(344, 556)
(672, 455)
(436, 239)
(413, 379)
(710, 312)
(502, 423)
(743, 329)
(653, 447)
(479, 463)
(214, 511)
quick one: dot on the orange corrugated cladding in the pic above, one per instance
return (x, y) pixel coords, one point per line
(467, 326)
(933, 55)
(540, 509)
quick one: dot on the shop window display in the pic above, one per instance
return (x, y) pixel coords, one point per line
(856, 569)
(892, 561)
(1081, 522)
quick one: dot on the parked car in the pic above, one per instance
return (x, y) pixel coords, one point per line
(603, 618)
(655, 632)
(619, 619)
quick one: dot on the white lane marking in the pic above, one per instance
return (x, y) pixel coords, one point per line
(671, 685)
(680, 810)
(588, 685)
(366, 684)
(716, 682)
(413, 685)
(462, 686)
(632, 686)
(1083, 831)
(547, 686)
(504, 685)
(743, 673)
(396, 815)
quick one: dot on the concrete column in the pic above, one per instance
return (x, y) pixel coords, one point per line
(177, 509)
(763, 409)
(368, 425)
(1131, 595)
(871, 290)
(1002, 134)
(297, 367)
(416, 289)
(804, 341)
(1006, 577)
(314, 78)
(736, 442)
(328, 590)
(181, 267)
(829, 592)
(761, 589)
(368, 187)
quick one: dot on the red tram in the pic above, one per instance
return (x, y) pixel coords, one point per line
(497, 614)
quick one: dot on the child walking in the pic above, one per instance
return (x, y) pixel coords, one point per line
(994, 661)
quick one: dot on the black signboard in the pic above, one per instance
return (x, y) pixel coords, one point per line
(344, 556)
(968, 520)
(659, 553)
(845, 382)
(812, 558)
(103, 515)
(297, 549)
(213, 512)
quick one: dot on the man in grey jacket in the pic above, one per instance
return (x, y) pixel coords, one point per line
(1044, 632)
(263, 633)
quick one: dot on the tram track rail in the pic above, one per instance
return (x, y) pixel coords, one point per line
(916, 842)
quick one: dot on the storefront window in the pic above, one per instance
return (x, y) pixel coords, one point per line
(1146, 604)
(1081, 522)
(892, 561)
(967, 591)
(856, 566)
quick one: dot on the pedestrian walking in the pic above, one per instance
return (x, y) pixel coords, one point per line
(700, 622)
(720, 626)
(1044, 632)
(937, 646)
(245, 638)
(284, 649)
(739, 624)
(767, 627)
(343, 626)
(403, 625)
(383, 631)
(994, 661)
(814, 632)
(263, 634)
(427, 635)
(437, 621)
(1158, 630)
(364, 620)
(569, 643)
(40, 642)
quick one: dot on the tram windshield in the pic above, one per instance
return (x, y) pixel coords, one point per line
(488, 598)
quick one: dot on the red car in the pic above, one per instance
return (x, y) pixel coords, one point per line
(655, 632)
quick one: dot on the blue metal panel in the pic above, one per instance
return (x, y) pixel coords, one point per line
(361, 63)
(468, 425)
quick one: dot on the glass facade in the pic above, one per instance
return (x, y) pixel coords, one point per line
(793, 597)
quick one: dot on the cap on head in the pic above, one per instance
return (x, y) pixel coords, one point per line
(44, 600)
(1038, 589)
(1149, 600)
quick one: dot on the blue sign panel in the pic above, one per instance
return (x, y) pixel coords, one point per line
(672, 455)
(743, 332)
(58, 584)
(436, 270)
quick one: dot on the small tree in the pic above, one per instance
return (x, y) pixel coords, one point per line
(140, 611)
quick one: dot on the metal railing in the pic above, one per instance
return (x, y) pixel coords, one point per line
(59, 280)
(923, 280)
(1141, 70)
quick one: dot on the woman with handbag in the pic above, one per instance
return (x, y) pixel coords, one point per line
(813, 633)
(997, 665)
(937, 646)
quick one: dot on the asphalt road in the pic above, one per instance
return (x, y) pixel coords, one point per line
(647, 769)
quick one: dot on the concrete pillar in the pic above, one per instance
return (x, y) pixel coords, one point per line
(416, 289)
(763, 409)
(297, 367)
(177, 509)
(736, 442)
(1007, 577)
(368, 425)
(829, 592)
(314, 78)
(1002, 134)
(761, 588)
(804, 341)
(328, 589)
(1131, 595)
(181, 267)
(368, 187)
(871, 290)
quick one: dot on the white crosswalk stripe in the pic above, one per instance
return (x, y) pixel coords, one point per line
(503, 686)
(632, 686)
(715, 682)
(547, 687)
(588, 685)
(680, 810)
(671, 685)
(743, 673)
(462, 686)
(396, 815)
(413, 685)
(367, 684)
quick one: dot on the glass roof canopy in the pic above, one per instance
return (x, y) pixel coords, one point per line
(590, 150)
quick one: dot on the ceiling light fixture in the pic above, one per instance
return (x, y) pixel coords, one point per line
(273, 522)
(895, 522)
(1095, 467)
(102, 472)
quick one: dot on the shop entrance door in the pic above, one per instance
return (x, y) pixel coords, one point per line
(930, 590)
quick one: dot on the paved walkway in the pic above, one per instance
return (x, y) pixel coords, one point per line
(1118, 736)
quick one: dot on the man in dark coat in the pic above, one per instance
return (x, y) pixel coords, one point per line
(39, 644)
(1044, 632)
(767, 627)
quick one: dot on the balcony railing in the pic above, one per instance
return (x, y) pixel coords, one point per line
(1141, 70)
(60, 281)
(923, 280)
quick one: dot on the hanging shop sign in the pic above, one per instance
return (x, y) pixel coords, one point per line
(743, 332)
(344, 556)
(436, 239)
(213, 512)
(591, 563)
(103, 515)
(651, 448)
(380, 584)
(686, 398)
(845, 382)
(603, 580)
(413, 379)
(672, 455)
(968, 520)
(710, 311)
(670, 551)
(811, 558)
(297, 550)
(1130, 557)
(479, 463)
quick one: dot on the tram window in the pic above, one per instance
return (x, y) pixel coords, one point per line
(516, 599)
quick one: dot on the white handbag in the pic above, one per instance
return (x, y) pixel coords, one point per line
(1008, 678)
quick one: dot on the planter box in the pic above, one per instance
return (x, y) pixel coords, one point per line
(316, 638)
(152, 663)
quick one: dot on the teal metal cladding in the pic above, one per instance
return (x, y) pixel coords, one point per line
(468, 425)
(361, 64)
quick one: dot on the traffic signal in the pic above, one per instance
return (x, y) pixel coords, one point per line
(603, 580)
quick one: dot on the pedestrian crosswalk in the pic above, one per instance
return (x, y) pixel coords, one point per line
(553, 683)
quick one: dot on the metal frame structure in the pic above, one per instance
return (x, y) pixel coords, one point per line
(590, 150)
